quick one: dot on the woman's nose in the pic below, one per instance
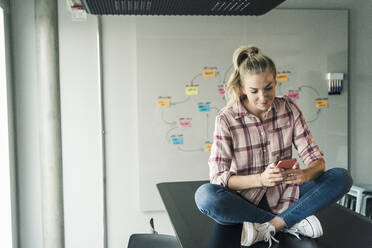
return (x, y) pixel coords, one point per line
(261, 95)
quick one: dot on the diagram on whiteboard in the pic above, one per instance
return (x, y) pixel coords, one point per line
(183, 64)
(209, 109)
(175, 132)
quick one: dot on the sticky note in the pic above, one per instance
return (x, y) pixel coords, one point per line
(185, 123)
(294, 95)
(204, 107)
(177, 140)
(163, 102)
(191, 90)
(322, 103)
(221, 91)
(209, 73)
(282, 77)
(208, 147)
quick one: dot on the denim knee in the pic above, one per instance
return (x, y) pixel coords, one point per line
(341, 178)
(204, 195)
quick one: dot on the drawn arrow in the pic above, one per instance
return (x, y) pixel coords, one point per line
(175, 103)
(167, 122)
(167, 134)
(190, 150)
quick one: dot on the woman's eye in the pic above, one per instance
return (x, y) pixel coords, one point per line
(270, 88)
(254, 91)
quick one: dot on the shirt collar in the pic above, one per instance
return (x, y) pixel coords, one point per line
(240, 111)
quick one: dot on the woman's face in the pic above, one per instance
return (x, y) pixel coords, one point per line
(260, 91)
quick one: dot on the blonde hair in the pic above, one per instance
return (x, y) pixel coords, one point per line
(246, 60)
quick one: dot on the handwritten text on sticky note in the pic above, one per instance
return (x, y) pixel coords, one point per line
(208, 147)
(185, 123)
(322, 103)
(191, 90)
(204, 108)
(177, 140)
(221, 91)
(294, 95)
(209, 73)
(163, 102)
(282, 77)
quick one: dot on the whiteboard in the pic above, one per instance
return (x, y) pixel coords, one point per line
(172, 54)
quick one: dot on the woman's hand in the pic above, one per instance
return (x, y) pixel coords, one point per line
(271, 176)
(294, 175)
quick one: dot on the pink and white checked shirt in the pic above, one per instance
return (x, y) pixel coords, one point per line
(243, 145)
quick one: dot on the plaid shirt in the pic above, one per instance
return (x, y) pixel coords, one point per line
(243, 145)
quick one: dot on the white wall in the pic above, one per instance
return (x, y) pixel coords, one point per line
(82, 172)
(124, 215)
(79, 96)
(5, 172)
(360, 76)
(82, 159)
(26, 119)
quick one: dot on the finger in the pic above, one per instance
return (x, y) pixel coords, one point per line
(278, 179)
(274, 170)
(293, 172)
(290, 177)
(296, 166)
(289, 173)
(289, 182)
(271, 166)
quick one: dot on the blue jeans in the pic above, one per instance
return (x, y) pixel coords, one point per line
(227, 207)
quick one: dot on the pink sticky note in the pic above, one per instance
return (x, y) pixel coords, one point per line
(185, 123)
(293, 95)
(221, 91)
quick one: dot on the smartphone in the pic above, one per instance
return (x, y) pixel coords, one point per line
(286, 164)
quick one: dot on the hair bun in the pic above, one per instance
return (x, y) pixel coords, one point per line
(252, 51)
(242, 53)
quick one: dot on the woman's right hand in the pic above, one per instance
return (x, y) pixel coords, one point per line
(271, 176)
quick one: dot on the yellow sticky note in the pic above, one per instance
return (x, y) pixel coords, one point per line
(191, 90)
(322, 103)
(208, 147)
(282, 77)
(163, 102)
(209, 73)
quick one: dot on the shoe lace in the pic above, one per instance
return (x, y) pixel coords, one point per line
(293, 231)
(268, 237)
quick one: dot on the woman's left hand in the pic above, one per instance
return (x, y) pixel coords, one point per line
(294, 175)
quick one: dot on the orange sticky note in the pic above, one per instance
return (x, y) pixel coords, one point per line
(282, 77)
(209, 73)
(163, 102)
(208, 147)
(321, 103)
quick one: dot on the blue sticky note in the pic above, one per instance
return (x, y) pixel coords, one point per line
(177, 140)
(204, 107)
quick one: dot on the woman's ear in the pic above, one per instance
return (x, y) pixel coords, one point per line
(242, 89)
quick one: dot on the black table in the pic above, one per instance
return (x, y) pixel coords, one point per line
(342, 227)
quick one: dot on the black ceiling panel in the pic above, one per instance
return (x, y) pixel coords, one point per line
(180, 7)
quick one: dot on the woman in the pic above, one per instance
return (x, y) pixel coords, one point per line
(252, 134)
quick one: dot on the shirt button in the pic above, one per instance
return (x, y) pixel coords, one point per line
(262, 133)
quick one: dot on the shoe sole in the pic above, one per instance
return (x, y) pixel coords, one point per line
(314, 222)
(248, 231)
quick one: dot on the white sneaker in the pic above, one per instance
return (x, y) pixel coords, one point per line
(253, 233)
(309, 227)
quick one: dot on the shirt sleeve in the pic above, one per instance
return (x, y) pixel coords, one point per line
(303, 141)
(221, 153)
